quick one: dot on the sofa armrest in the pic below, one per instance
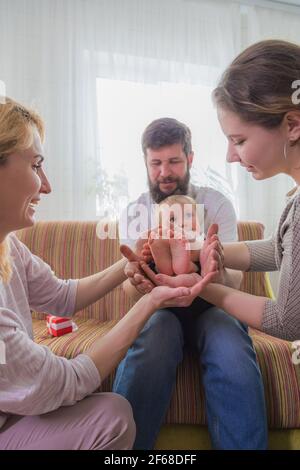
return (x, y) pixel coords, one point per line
(256, 283)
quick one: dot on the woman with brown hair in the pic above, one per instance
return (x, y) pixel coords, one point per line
(46, 401)
(258, 108)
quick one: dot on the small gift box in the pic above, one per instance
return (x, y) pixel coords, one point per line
(58, 326)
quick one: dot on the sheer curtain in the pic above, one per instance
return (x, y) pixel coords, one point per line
(53, 51)
(46, 64)
(264, 200)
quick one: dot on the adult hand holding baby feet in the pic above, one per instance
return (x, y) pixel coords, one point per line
(212, 256)
(194, 281)
(162, 296)
(134, 272)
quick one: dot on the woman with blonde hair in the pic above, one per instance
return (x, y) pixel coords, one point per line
(46, 401)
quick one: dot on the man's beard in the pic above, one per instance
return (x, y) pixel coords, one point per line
(181, 188)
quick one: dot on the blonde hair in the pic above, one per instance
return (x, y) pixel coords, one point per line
(5, 261)
(16, 123)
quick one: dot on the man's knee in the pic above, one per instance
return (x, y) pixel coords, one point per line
(157, 348)
(224, 340)
(215, 324)
(162, 332)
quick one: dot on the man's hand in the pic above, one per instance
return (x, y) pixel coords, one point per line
(134, 272)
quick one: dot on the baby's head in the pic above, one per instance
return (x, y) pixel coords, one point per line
(179, 211)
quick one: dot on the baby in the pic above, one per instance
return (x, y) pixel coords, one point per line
(179, 231)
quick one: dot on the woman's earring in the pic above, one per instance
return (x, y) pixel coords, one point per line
(284, 151)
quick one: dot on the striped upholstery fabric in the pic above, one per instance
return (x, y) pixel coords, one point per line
(254, 283)
(73, 250)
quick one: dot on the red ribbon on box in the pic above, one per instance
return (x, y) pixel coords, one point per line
(58, 326)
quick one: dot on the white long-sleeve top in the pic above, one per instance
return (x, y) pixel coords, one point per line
(33, 380)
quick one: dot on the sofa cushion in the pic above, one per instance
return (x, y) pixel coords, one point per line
(281, 377)
(72, 344)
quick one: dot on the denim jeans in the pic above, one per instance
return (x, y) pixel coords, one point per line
(235, 405)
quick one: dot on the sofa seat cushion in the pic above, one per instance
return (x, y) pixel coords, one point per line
(72, 344)
(281, 379)
(280, 376)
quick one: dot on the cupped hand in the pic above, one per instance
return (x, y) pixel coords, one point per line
(196, 283)
(134, 272)
(181, 280)
(165, 296)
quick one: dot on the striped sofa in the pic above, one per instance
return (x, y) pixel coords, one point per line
(73, 251)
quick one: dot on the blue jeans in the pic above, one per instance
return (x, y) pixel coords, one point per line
(235, 405)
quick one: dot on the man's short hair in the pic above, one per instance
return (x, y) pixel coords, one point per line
(166, 131)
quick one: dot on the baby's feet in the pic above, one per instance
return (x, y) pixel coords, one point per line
(182, 280)
(161, 253)
(181, 260)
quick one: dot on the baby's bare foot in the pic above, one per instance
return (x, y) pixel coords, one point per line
(181, 260)
(182, 280)
(160, 250)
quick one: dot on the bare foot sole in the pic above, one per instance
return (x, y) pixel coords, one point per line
(181, 260)
(160, 250)
(181, 280)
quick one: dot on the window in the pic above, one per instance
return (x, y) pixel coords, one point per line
(124, 110)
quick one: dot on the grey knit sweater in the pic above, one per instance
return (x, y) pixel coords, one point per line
(281, 317)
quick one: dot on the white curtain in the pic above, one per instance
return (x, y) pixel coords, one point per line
(264, 200)
(45, 63)
(52, 52)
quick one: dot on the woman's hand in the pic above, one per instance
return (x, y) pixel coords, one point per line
(164, 297)
(181, 280)
(198, 283)
(212, 255)
(134, 271)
